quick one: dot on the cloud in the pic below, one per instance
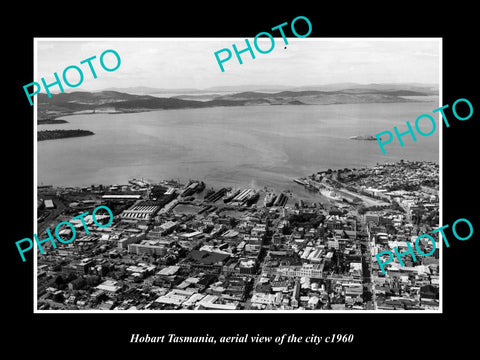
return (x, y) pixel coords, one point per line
(180, 62)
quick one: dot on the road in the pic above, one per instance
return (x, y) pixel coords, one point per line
(371, 283)
(367, 200)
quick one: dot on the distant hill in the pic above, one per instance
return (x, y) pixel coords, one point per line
(192, 91)
(68, 103)
(115, 101)
(200, 97)
(431, 89)
(312, 97)
(151, 90)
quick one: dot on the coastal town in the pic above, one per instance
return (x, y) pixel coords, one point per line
(175, 246)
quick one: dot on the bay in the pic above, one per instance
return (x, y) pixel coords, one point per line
(231, 146)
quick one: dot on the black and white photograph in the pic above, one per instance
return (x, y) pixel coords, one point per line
(229, 181)
(262, 188)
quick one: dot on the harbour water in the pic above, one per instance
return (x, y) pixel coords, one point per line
(258, 146)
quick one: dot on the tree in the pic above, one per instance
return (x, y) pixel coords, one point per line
(59, 280)
(58, 297)
(362, 210)
(93, 280)
(70, 277)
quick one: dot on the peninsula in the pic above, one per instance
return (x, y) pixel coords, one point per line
(61, 134)
(51, 121)
(121, 102)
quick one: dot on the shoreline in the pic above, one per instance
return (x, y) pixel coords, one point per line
(44, 135)
(227, 236)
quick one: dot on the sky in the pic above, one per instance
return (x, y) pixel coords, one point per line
(173, 63)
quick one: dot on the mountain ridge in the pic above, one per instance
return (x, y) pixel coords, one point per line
(115, 101)
(142, 90)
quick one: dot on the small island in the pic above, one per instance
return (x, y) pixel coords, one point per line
(363, 137)
(61, 134)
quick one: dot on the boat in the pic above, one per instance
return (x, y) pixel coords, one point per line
(193, 187)
(190, 189)
(303, 182)
(229, 196)
(363, 137)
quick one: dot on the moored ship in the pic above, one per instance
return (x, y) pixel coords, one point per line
(303, 182)
(269, 199)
